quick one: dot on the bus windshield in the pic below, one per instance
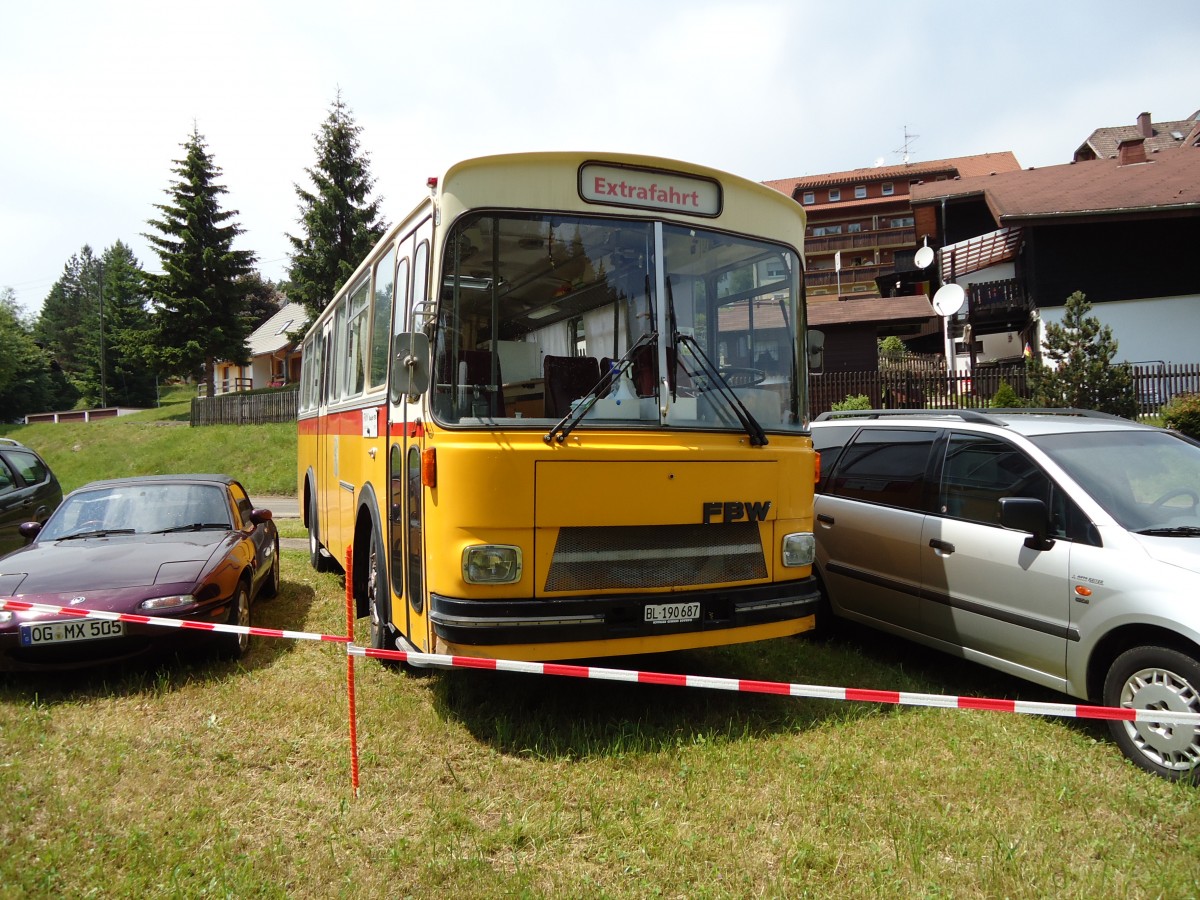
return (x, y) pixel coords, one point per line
(615, 322)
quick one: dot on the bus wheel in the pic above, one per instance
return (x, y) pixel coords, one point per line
(377, 598)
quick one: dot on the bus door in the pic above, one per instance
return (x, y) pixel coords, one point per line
(406, 441)
(326, 453)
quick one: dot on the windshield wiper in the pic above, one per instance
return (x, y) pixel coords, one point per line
(195, 526)
(1172, 531)
(99, 532)
(567, 423)
(758, 437)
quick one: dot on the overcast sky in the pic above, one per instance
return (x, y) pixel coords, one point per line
(97, 97)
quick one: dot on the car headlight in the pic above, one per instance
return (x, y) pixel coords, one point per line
(6, 616)
(491, 564)
(799, 549)
(171, 602)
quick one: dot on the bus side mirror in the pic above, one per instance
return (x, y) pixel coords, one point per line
(816, 350)
(410, 366)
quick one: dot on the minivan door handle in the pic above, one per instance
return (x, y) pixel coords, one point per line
(825, 518)
(942, 546)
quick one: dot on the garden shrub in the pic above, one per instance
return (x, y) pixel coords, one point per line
(1183, 414)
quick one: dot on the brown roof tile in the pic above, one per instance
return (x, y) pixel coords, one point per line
(868, 309)
(1098, 187)
(1103, 142)
(965, 166)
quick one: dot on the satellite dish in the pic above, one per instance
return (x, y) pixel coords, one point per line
(923, 257)
(949, 299)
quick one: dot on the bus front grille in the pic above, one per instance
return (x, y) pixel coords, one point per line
(643, 556)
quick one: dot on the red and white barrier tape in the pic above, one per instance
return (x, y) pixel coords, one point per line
(860, 695)
(80, 613)
(899, 698)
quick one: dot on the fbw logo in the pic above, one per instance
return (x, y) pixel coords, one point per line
(729, 511)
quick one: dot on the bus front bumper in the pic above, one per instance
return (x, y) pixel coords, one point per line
(488, 623)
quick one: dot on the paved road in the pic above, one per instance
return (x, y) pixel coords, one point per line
(283, 508)
(280, 507)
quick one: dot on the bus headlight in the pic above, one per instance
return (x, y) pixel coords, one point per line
(491, 564)
(799, 549)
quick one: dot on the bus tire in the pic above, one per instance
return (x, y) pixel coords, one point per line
(378, 605)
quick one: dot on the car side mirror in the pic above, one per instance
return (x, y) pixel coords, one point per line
(260, 516)
(410, 366)
(29, 530)
(1030, 515)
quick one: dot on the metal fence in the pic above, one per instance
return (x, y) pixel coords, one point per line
(903, 387)
(246, 409)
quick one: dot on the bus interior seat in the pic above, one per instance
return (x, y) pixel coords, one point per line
(485, 397)
(567, 378)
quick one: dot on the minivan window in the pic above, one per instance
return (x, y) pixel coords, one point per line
(885, 466)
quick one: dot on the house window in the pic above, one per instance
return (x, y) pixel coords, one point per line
(854, 228)
(822, 230)
(903, 222)
(888, 189)
(860, 191)
(835, 194)
(809, 198)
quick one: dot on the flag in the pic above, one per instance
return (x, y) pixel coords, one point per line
(1028, 350)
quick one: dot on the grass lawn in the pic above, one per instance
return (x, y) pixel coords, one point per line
(199, 778)
(160, 441)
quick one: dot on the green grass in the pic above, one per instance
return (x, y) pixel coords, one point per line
(193, 777)
(160, 441)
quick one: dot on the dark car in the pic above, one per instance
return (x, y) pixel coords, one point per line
(174, 546)
(29, 492)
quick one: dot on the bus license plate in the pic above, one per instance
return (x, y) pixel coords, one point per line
(672, 613)
(65, 632)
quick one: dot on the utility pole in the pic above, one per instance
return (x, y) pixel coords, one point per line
(103, 379)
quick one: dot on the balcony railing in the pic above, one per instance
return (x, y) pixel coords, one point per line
(883, 237)
(987, 299)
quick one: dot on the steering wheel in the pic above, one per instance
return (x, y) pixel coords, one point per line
(743, 376)
(1178, 492)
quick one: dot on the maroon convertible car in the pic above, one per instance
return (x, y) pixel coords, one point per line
(173, 546)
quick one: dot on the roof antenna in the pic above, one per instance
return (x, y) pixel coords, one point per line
(908, 140)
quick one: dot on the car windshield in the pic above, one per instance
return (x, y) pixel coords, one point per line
(1148, 481)
(139, 509)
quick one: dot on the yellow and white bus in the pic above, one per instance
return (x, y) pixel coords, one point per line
(560, 412)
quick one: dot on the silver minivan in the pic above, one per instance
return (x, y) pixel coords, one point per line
(1059, 546)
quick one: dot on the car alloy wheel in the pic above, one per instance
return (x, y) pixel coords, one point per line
(1157, 678)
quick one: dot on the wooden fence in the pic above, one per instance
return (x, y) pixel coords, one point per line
(902, 387)
(246, 409)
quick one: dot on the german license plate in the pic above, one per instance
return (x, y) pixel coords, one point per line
(39, 633)
(672, 613)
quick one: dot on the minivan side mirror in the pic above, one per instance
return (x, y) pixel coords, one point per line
(1027, 514)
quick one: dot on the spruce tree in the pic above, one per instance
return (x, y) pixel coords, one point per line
(199, 300)
(130, 377)
(27, 377)
(67, 325)
(340, 223)
(1082, 373)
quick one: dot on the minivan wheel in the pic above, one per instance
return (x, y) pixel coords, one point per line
(1163, 679)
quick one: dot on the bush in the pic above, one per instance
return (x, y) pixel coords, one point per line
(853, 401)
(1005, 397)
(1183, 414)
